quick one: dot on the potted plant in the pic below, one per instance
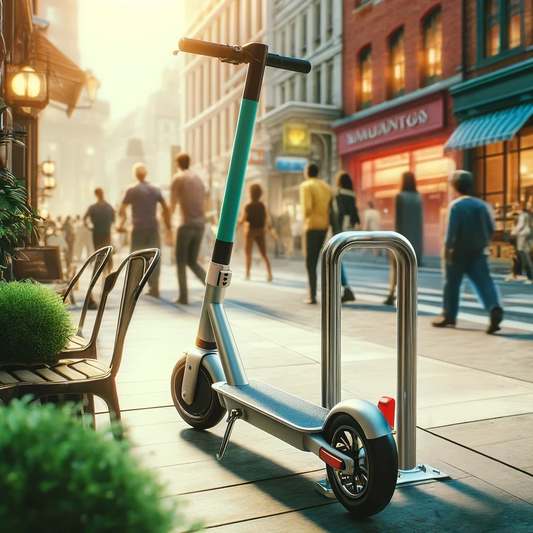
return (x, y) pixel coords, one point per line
(57, 475)
(34, 322)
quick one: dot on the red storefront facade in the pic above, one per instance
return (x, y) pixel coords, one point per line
(398, 118)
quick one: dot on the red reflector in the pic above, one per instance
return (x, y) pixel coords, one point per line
(387, 406)
(331, 460)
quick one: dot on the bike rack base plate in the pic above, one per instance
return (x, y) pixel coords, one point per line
(423, 473)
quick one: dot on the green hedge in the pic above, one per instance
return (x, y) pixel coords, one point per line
(34, 322)
(58, 476)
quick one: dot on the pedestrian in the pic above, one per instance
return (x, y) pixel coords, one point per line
(409, 223)
(469, 229)
(256, 220)
(70, 237)
(372, 223)
(143, 199)
(522, 233)
(102, 216)
(315, 199)
(187, 190)
(285, 232)
(344, 217)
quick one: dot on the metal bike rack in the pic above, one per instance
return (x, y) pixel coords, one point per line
(407, 298)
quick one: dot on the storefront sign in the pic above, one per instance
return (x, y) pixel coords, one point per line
(409, 122)
(291, 164)
(257, 157)
(296, 138)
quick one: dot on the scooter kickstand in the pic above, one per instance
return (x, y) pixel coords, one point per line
(232, 417)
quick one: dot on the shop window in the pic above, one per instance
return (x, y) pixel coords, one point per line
(397, 64)
(365, 77)
(500, 25)
(526, 138)
(303, 95)
(432, 28)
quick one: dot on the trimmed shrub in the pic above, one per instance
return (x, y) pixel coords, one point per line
(57, 475)
(34, 322)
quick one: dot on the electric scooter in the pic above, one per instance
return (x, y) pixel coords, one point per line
(353, 439)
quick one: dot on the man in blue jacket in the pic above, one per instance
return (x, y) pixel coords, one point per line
(470, 226)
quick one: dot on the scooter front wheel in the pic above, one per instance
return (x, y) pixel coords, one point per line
(206, 410)
(370, 488)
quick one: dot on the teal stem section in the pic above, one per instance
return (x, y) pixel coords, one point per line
(237, 171)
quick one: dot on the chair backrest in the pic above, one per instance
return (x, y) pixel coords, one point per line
(41, 263)
(100, 258)
(139, 266)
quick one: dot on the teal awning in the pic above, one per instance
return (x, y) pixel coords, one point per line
(496, 127)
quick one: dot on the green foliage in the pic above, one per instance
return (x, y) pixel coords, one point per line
(56, 475)
(34, 322)
(17, 218)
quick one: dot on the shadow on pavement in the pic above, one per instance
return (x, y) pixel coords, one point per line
(456, 505)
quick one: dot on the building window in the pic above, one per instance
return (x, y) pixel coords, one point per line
(317, 21)
(259, 15)
(282, 43)
(318, 86)
(397, 64)
(304, 35)
(292, 89)
(492, 28)
(514, 23)
(329, 18)
(292, 30)
(282, 95)
(303, 88)
(501, 26)
(432, 47)
(329, 82)
(365, 77)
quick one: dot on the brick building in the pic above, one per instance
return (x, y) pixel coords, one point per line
(400, 60)
(494, 106)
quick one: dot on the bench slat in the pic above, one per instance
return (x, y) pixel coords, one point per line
(28, 376)
(7, 379)
(49, 375)
(88, 370)
(69, 373)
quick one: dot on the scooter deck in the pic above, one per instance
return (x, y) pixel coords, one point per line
(279, 405)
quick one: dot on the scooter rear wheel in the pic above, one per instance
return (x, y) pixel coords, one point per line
(206, 410)
(370, 488)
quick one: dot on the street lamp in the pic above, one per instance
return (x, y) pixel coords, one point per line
(48, 167)
(27, 88)
(92, 85)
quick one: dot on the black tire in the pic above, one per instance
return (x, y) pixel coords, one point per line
(378, 460)
(206, 410)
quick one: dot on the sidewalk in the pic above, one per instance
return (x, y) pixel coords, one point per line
(474, 424)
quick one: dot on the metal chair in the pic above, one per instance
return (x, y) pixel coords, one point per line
(80, 346)
(87, 376)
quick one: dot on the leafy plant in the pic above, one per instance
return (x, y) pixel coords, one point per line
(17, 218)
(34, 322)
(57, 475)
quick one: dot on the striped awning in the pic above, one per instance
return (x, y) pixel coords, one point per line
(496, 127)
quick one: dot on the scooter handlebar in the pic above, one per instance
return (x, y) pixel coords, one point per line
(288, 63)
(205, 48)
(237, 54)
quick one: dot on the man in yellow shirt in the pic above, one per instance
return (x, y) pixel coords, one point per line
(315, 199)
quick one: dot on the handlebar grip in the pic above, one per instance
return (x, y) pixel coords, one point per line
(204, 48)
(288, 63)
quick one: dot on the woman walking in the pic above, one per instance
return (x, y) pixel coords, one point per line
(409, 223)
(256, 220)
(344, 217)
(522, 233)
